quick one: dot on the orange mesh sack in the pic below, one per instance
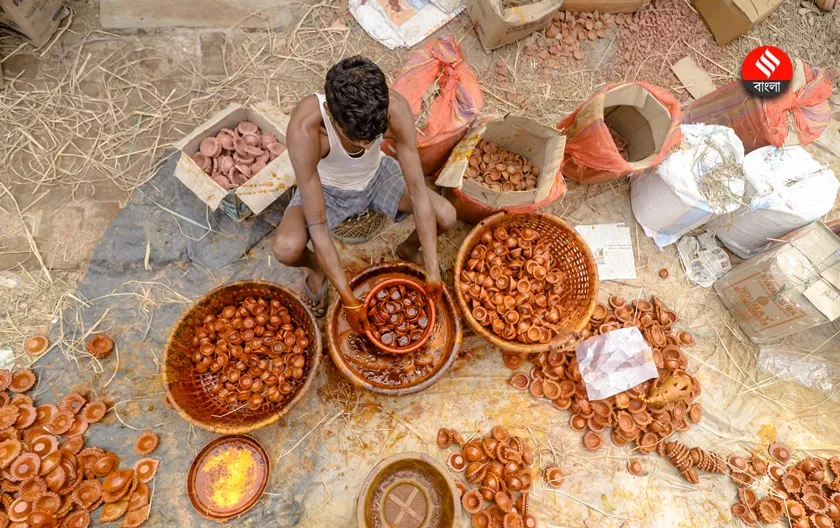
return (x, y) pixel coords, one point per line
(759, 121)
(622, 129)
(438, 73)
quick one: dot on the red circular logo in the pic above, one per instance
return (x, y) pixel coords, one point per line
(767, 71)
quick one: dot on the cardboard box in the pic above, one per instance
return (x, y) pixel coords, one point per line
(497, 27)
(542, 145)
(37, 20)
(638, 117)
(729, 19)
(787, 289)
(258, 192)
(604, 6)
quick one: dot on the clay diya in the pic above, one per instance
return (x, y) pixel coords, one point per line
(36, 345)
(401, 318)
(21, 381)
(146, 443)
(99, 345)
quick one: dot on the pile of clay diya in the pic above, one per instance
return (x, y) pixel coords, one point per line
(498, 468)
(400, 315)
(254, 351)
(50, 478)
(500, 170)
(806, 492)
(646, 415)
(514, 285)
(235, 155)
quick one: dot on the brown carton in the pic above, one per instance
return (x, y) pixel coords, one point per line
(497, 26)
(729, 19)
(541, 144)
(258, 192)
(604, 6)
(37, 20)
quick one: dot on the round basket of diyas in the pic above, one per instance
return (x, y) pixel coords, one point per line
(411, 342)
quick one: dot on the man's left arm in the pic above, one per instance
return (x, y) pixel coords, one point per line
(401, 125)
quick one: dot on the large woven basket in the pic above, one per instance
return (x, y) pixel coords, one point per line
(576, 261)
(189, 391)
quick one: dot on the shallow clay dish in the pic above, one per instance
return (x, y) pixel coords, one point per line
(408, 490)
(368, 368)
(188, 390)
(228, 477)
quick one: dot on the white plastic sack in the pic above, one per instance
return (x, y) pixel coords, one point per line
(786, 189)
(667, 201)
(614, 362)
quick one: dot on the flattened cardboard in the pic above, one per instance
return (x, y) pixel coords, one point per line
(258, 192)
(729, 19)
(36, 20)
(696, 81)
(496, 27)
(543, 145)
(638, 117)
(604, 6)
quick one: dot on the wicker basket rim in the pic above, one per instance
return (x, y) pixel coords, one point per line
(244, 429)
(469, 242)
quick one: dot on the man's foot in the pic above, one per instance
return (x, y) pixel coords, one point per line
(410, 253)
(317, 302)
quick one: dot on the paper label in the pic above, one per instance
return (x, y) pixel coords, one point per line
(612, 248)
(825, 298)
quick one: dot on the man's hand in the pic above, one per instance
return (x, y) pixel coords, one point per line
(357, 317)
(434, 285)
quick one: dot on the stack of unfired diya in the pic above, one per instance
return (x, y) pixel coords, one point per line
(496, 168)
(807, 492)
(498, 466)
(646, 415)
(235, 155)
(398, 315)
(253, 351)
(50, 478)
(514, 286)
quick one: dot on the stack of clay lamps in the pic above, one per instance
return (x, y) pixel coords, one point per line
(567, 32)
(689, 460)
(498, 466)
(99, 345)
(645, 415)
(495, 168)
(398, 315)
(253, 351)
(235, 155)
(807, 492)
(514, 286)
(49, 478)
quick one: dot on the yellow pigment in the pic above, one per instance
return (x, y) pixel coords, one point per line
(232, 476)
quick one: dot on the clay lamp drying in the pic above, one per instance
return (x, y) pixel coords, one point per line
(36, 345)
(99, 346)
(401, 317)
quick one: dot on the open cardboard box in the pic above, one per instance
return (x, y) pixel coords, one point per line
(258, 192)
(638, 117)
(37, 20)
(497, 26)
(729, 19)
(543, 145)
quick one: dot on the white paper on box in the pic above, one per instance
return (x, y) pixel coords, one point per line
(614, 362)
(612, 248)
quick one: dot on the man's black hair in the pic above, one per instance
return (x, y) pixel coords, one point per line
(357, 96)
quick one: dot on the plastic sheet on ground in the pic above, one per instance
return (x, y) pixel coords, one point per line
(324, 448)
(415, 20)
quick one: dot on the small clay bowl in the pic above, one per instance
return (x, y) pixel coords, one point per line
(219, 471)
(406, 475)
(430, 313)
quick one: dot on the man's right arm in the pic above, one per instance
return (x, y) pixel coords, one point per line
(304, 146)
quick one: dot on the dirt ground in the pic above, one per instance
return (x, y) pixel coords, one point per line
(86, 120)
